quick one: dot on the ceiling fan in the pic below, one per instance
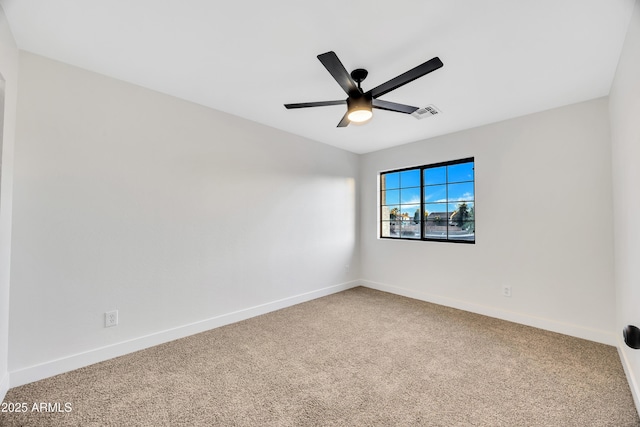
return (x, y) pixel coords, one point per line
(360, 103)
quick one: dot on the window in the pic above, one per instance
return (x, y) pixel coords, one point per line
(432, 202)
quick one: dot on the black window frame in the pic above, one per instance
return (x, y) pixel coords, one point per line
(422, 223)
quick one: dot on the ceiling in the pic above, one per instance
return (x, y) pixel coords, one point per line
(502, 58)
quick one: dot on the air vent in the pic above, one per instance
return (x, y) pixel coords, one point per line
(428, 111)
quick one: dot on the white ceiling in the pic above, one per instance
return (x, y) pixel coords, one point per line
(502, 58)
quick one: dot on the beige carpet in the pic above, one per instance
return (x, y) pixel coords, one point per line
(357, 358)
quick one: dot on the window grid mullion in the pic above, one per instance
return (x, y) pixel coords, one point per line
(446, 192)
(422, 220)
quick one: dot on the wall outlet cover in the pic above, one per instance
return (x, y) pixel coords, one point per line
(110, 318)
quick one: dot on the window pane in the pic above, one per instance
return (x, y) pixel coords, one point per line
(391, 197)
(460, 192)
(410, 212)
(462, 222)
(390, 180)
(390, 229)
(435, 193)
(460, 212)
(435, 230)
(410, 178)
(410, 195)
(433, 210)
(466, 232)
(409, 230)
(390, 213)
(460, 172)
(435, 175)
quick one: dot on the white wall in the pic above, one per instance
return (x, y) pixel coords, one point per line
(624, 107)
(9, 78)
(543, 211)
(177, 215)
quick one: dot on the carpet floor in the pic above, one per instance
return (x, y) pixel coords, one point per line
(356, 358)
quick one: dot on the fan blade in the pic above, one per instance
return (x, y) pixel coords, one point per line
(315, 104)
(345, 121)
(414, 73)
(392, 106)
(336, 69)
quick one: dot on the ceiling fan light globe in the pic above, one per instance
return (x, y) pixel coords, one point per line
(360, 115)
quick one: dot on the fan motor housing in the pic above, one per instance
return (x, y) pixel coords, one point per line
(354, 103)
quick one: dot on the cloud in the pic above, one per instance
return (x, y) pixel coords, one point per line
(415, 200)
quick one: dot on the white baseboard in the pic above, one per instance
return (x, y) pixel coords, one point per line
(601, 336)
(76, 361)
(4, 385)
(632, 376)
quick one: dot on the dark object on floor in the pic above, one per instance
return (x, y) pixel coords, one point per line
(632, 336)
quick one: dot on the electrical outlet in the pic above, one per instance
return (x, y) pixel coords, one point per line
(506, 290)
(111, 318)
